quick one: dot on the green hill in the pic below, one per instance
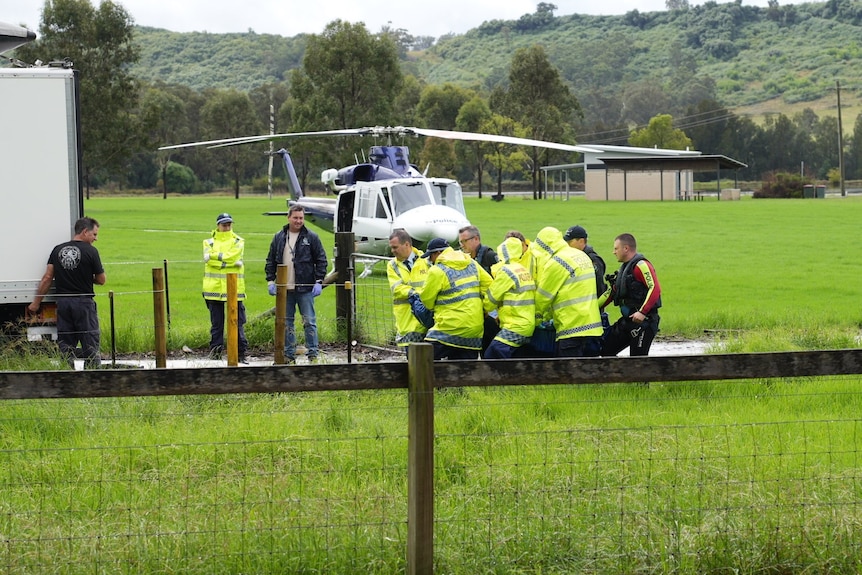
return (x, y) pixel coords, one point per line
(622, 68)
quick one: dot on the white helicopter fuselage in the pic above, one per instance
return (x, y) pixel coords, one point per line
(425, 208)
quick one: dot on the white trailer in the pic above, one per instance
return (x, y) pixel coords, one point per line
(40, 183)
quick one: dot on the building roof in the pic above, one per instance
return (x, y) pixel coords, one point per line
(702, 163)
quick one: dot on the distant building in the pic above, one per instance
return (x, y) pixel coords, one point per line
(629, 173)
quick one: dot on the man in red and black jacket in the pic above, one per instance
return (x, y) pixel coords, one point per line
(638, 294)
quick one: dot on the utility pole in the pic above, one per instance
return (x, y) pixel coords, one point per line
(271, 132)
(840, 142)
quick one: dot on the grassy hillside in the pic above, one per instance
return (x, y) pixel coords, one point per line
(754, 60)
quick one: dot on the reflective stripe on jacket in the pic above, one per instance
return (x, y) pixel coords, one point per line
(401, 282)
(453, 289)
(566, 288)
(225, 251)
(512, 294)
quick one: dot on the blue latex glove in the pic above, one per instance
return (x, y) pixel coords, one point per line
(272, 289)
(317, 289)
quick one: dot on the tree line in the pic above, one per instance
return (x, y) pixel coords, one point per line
(350, 78)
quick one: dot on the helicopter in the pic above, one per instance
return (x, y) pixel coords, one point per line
(384, 193)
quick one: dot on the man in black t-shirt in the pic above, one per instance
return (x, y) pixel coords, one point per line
(74, 267)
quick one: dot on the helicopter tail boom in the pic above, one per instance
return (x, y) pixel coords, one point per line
(292, 180)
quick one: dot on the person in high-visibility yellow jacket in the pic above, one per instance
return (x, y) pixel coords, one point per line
(453, 290)
(566, 293)
(406, 273)
(511, 297)
(223, 254)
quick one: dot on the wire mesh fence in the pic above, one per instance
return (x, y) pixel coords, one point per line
(746, 476)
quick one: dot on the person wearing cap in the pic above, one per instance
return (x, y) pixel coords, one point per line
(566, 294)
(638, 294)
(454, 289)
(301, 250)
(406, 273)
(511, 297)
(576, 237)
(223, 255)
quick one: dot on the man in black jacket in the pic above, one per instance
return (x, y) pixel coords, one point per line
(471, 244)
(300, 249)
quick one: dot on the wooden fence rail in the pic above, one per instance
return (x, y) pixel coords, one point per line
(394, 375)
(420, 376)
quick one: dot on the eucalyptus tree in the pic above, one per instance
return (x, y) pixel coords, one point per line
(100, 43)
(660, 133)
(472, 117)
(229, 113)
(438, 106)
(164, 121)
(349, 78)
(504, 157)
(539, 100)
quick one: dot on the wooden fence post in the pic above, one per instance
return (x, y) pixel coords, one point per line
(344, 247)
(420, 459)
(159, 324)
(232, 321)
(280, 312)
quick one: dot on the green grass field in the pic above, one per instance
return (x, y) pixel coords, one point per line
(779, 270)
(719, 477)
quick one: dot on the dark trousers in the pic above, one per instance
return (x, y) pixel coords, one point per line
(500, 350)
(217, 318)
(490, 331)
(78, 322)
(579, 347)
(627, 334)
(442, 351)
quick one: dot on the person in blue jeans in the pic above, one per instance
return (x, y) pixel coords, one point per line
(301, 250)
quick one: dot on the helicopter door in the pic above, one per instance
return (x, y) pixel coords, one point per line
(344, 211)
(372, 219)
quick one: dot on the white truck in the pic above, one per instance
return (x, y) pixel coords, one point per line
(40, 182)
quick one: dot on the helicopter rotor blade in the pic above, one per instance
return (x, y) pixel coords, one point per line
(476, 137)
(389, 132)
(263, 138)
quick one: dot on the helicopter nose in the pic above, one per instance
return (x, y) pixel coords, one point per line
(425, 227)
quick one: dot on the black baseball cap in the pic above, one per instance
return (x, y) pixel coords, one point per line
(575, 232)
(435, 245)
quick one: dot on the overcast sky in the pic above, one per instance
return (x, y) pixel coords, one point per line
(291, 17)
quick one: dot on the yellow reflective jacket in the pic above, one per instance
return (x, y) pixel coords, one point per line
(512, 294)
(223, 253)
(454, 289)
(566, 286)
(401, 282)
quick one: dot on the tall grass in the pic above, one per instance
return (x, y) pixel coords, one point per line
(682, 477)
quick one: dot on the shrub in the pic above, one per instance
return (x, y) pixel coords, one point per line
(782, 185)
(181, 179)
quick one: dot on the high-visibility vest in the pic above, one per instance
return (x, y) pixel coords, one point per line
(402, 281)
(223, 253)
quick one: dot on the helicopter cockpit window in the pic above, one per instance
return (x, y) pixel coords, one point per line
(406, 196)
(383, 204)
(367, 203)
(449, 194)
